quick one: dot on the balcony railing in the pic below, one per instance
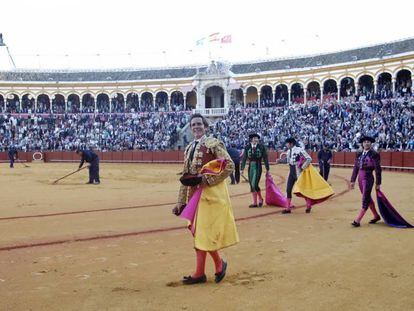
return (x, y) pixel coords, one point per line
(212, 112)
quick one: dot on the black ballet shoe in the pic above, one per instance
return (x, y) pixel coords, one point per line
(253, 205)
(375, 220)
(189, 280)
(356, 224)
(261, 204)
(220, 276)
(286, 211)
(308, 210)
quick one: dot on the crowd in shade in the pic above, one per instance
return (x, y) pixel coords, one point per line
(389, 120)
(114, 105)
(143, 131)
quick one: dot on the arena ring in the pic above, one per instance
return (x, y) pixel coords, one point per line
(35, 156)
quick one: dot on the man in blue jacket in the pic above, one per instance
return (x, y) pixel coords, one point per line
(235, 156)
(12, 153)
(92, 158)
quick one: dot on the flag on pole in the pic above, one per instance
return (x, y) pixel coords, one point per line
(214, 37)
(200, 42)
(226, 39)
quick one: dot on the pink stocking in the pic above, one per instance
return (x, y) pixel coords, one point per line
(373, 210)
(360, 215)
(201, 263)
(217, 261)
(254, 194)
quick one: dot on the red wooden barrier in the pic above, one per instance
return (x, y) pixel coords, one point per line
(147, 156)
(385, 158)
(349, 158)
(408, 159)
(127, 156)
(388, 159)
(137, 156)
(397, 159)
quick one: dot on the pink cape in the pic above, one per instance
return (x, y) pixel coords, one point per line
(190, 209)
(273, 194)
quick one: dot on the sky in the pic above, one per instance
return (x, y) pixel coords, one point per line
(85, 34)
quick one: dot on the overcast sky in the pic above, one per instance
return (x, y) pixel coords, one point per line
(131, 33)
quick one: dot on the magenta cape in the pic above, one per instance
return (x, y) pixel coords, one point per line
(213, 167)
(389, 213)
(273, 194)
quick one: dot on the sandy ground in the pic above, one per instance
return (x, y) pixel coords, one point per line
(133, 255)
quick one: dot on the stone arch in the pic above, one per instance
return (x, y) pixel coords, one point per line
(330, 88)
(347, 86)
(2, 102)
(117, 103)
(28, 103)
(58, 103)
(147, 101)
(73, 103)
(266, 95)
(236, 97)
(297, 92)
(313, 90)
(161, 101)
(214, 97)
(365, 84)
(403, 81)
(191, 100)
(43, 103)
(12, 103)
(384, 82)
(132, 102)
(281, 94)
(88, 103)
(251, 96)
(177, 100)
(103, 103)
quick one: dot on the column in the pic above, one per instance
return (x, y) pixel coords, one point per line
(20, 104)
(289, 97)
(274, 97)
(244, 99)
(66, 104)
(185, 100)
(339, 92)
(258, 100)
(110, 104)
(375, 86)
(412, 86)
(96, 104)
(393, 85)
(321, 91)
(356, 92)
(169, 103)
(305, 95)
(36, 102)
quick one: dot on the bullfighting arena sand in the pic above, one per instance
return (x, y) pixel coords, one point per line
(117, 246)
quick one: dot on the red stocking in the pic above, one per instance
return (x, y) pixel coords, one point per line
(201, 263)
(259, 193)
(373, 210)
(217, 261)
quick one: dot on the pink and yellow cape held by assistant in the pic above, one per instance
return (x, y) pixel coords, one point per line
(210, 213)
(311, 185)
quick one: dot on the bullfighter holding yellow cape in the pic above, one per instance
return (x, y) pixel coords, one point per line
(204, 200)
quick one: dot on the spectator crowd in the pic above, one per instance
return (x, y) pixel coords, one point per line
(389, 119)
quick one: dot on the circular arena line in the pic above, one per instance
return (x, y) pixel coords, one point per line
(159, 230)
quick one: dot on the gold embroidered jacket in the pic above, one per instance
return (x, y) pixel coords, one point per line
(208, 149)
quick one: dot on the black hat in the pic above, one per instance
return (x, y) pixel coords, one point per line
(254, 135)
(364, 138)
(290, 140)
